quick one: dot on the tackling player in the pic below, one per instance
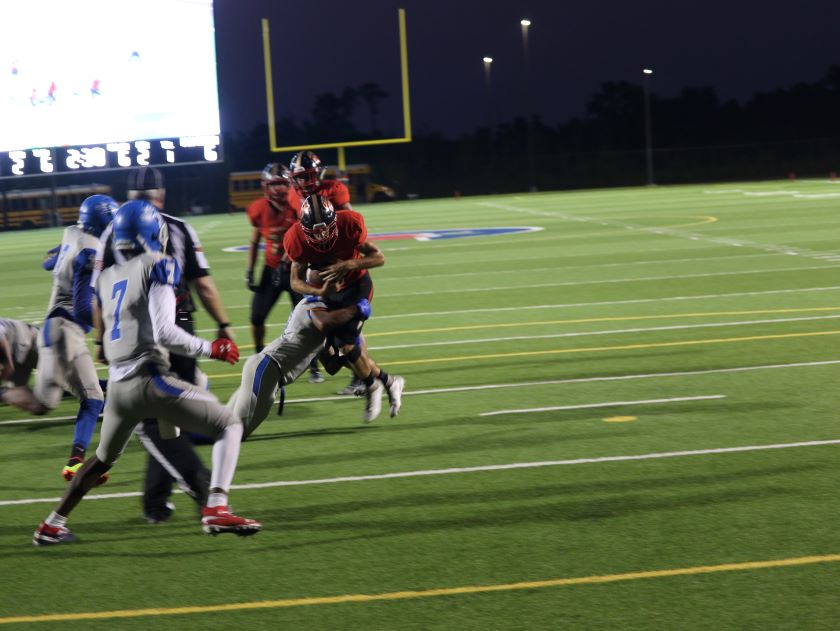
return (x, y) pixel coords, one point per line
(286, 358)
(64, 362)
(137, 302)
(335, 244)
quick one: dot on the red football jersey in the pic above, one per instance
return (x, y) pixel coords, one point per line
(272, 224)
(351, 234)
(335, 191)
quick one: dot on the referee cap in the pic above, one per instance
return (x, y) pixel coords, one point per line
(145, 179)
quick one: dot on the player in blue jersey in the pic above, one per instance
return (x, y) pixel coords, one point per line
(136, 299)
(64, 361)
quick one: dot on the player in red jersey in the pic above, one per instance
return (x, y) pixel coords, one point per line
(307, 173)
(271, 216)
(335, 244)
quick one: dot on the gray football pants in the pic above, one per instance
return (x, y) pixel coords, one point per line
(64, 363)
(151, 394)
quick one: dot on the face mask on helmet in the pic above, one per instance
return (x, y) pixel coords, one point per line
(306, 172)
(318, 223)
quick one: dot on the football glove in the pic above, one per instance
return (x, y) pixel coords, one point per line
(224, 350)
(364, 309)
(249, 280)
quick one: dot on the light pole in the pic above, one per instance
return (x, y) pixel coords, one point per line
(524, 24)
(488, 63)
(647, 72)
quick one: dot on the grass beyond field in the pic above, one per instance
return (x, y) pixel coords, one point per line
(627, 418)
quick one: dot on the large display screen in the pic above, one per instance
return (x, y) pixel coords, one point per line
(98, 84)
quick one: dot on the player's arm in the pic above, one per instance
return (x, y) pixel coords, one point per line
(297, 281)
(51, 258)
(253, 250)
(164, 276)
(82, 290)
(197, 274)
(371, 257)
(7, 365)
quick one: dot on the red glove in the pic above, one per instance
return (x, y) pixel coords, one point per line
(224, 350)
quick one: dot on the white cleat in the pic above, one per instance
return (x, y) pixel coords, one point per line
(395, 395)
(373, 406)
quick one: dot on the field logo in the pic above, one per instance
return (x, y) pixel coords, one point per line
(430, 235)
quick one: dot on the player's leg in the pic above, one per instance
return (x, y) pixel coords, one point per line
(83, 382)
(252, 401)
(172, 460)
(49, 377)
(116, 431)
(264, 298)
(192, 409)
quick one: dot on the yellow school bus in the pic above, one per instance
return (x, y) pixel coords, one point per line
(42, 207)
(244, 186)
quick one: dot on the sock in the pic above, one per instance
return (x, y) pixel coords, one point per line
(77, 452)
(385, 378)
(225, 455)
(89, 410)
(216, 499)
(55, 520)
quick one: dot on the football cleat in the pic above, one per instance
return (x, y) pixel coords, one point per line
(51, 535)
(373, 406)
(355, 387)
(395, 391)
(73, 465)
(315, 376)
(219, 519)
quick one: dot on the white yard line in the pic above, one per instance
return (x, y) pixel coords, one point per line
(605, 404)
(610, 281)
(672, 232)
(675, 327)
(459, 470)
(567, 305)
(526, 384)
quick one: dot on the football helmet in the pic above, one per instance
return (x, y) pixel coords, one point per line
(140, 227)
(95, 213)
(317, 218)
(275, 180)
(306, 171)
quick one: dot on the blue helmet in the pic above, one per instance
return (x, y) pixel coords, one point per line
(95, 213)
(139, 226)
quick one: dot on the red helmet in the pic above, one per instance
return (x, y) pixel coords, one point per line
(306, 171)
(318, 222)
(276, 182)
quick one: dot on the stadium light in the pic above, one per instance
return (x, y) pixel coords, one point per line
(529, 109)
(647, 72)
(488, 60)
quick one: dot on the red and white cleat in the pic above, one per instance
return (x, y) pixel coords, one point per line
(219, 519)
(50, 535)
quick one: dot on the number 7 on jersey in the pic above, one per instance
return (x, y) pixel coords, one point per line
(118, 293)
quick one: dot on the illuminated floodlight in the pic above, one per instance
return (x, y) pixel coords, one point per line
(647, 71)
(525, 22)
(488, 60)
(269, 94)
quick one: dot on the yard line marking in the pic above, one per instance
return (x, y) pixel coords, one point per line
(606, 404)
(674, 327)
(609, 281)
(417, 314)
(428, 593)
(524, 384)
(671, 232)
(457, 470)
(596, 349)
(519, 324)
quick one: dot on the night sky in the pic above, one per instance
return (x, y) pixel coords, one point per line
(737, 47)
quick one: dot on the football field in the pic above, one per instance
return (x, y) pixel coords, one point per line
(621, 412)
